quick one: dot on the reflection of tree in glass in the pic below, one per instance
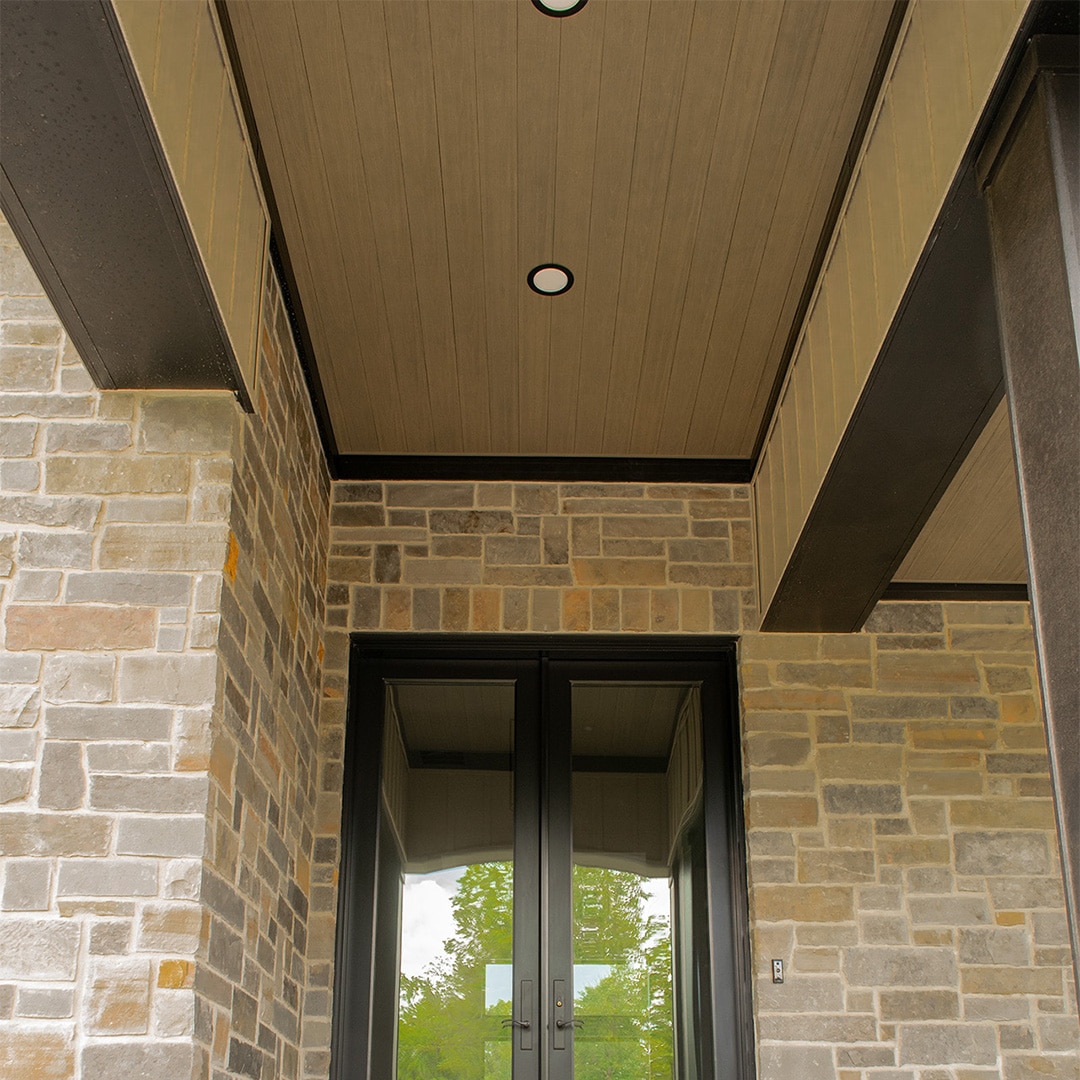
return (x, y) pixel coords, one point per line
(446, 1031)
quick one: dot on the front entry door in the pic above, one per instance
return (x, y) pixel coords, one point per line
(541, 867)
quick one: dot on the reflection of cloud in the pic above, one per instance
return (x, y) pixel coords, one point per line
(427, 919)
(657, 897)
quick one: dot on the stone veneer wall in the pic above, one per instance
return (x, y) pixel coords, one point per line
(904, 861)
(161, 582)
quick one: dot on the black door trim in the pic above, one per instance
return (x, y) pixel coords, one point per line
(351, 1030)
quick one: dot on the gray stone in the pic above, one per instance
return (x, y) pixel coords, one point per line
(26, 885)
(387, 566)
(945, 1044)
(199, 423)
(928, 966)
(73, 678)
(892, 617)
(15, 782)
(154, 794)
(471, 522)
(45, 1004)
(118, 587)
(107, 722)
(801, 994)
(1001, 853)
(919, 1004)
(863, 799)
(38, 949)
(949, 910)
(128, 757)
(45, 405)
(147, 509)
(1008, 945)
(174, 837)
(82, 437)
(180, 680)
(18, 745)
(37, 585)
(50, 550)
(107, 877)
(786, 1062)
(63, 779)
(107, 1061)
(512, 550)
(17, 438)
(19, 476)
(434, 494)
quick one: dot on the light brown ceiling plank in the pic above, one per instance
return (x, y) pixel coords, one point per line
(697, 264)
(341, 160)
(495, 55)
(453, 50)
(580, 57)
(849, 45)
(275, 134)
(408, 34)
(537, 102)
(367, 53)
(726, 375)
(651, 188)
(624, 35)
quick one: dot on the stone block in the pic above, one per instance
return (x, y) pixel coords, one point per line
(993, 640)
(357, 515)
(55, 834)
(626, 526)
(944, 673)
(949, 910)
(584, 536)
(41, 949)
(726, 614)
(350, 492)
(998, 853)
(179, 680)
(909, 851)
(45, 405)
(116, 475)
(512, 550)
(163, 547)
(62, 785)
(109, 1060)
(800, 994)
(886, 967)
(802, 903)
(536, 499)
(555, 537)
(441, 572)
(792, 1028)
(147, 509)
(836, 866)
(1008, 946)
(919, 1004)
(174, 837)
(107, 877)
(177, 794)
(36, 1054)
(826, 675)
(101, 722)
(519, 576)
(82, 626)
(74, 678)
(1007, 813)
(19, 475)
(26, 885)
(1011, 980)
(17, 438)
(713, 576)
(18, 745)
(774, 749)
(945, 1044)
(117, 587)
(781, 811)
(45, 1004)
(68, 512)
(15, 781)
(37, 585)
(862, 799)
(55, 550)
(85, 437)
(858, 762)
(619, 572)
(187, 423)
(905, 618)
(442, 495)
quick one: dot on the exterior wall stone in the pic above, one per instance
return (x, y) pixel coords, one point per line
(162, 561)
(112, 538)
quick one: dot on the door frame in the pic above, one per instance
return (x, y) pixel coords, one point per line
(355, 968)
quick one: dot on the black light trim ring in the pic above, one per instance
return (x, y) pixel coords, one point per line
(531, 279)
(556, 13)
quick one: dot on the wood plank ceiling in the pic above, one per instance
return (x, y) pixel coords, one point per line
(678, 157)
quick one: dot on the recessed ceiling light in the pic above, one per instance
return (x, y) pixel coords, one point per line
(550, 279)
(558, 9)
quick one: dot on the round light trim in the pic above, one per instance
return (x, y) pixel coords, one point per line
(550, 279)
(559, 9)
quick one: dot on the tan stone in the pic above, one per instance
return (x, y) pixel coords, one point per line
(605, 609)
(120, 997)
(780, 646)
(620, 571)
(35, 1055)
(944, 783)
(79, 626)
(780, 811)
(826, 675)
(802, 903)
(772, 749)
(114, 474)
(860, 762)
(164, 547)
(930, 736)
(486, 609)
(801, 700)
(664, 610)
(175, 974)
(576, 609)
(1003, 813)
(635, 609)
(1010, 980)
(906, 851)
(928, 672)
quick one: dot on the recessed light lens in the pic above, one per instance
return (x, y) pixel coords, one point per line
(558, 8)
(550, 279)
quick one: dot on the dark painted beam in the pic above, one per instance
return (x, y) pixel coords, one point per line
(86, 188)
(934, 385)
(1031, 169)
(542, 467)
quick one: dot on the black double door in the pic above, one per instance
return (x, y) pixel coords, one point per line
(542, 873)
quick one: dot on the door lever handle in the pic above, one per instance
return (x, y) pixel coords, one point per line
(511, 1022)
(561, 1024)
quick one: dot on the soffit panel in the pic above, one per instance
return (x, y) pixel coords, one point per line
(680, 157)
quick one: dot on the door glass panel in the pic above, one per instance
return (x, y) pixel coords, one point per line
(636, 776)
(448, 795)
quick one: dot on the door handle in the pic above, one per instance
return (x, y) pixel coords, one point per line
(511, 1022)
(560, 1024)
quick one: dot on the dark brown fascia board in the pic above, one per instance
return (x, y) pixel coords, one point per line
(544, 468)
(933, 387)
(90, 197)
(955, 590)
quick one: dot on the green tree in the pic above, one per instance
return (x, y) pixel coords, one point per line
(447, 1031)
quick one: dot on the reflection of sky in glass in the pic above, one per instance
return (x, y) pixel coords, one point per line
(427, 919)
(498, 983)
